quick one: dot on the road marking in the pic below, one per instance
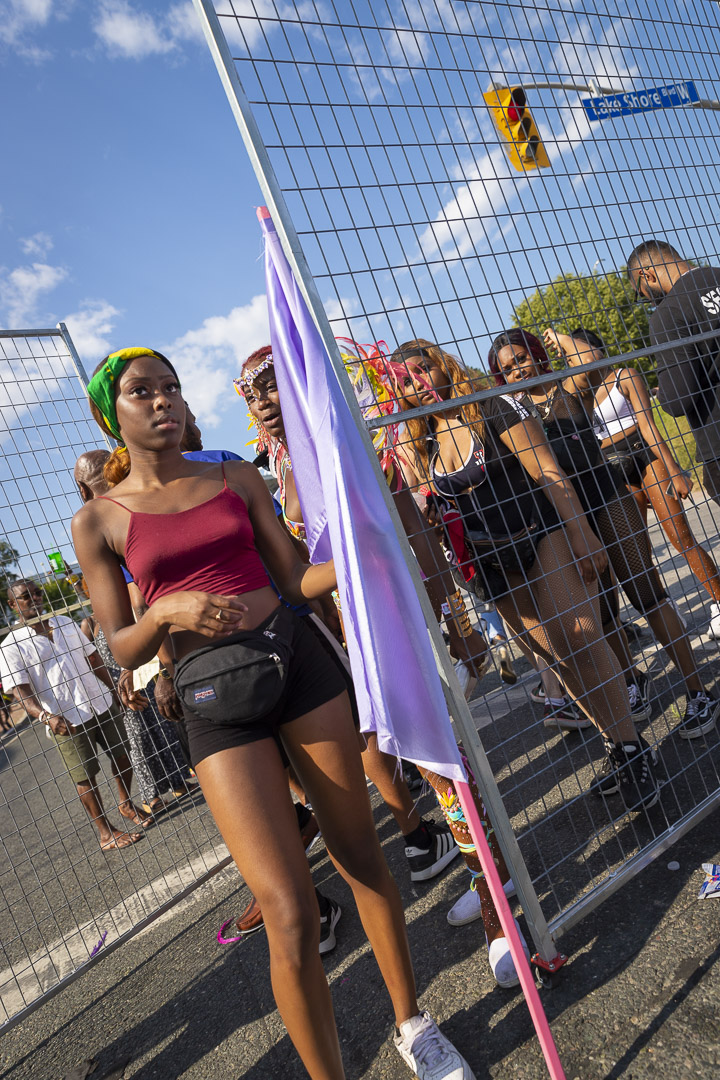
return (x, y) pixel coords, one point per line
(27, 980)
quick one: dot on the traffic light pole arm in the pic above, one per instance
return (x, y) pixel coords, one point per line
(596, 90)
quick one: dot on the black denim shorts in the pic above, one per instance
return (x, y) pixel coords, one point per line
(313, 679)
(630, 458)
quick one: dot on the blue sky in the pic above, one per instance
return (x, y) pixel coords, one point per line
(127, 200)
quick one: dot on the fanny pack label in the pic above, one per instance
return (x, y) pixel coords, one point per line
(204, 693)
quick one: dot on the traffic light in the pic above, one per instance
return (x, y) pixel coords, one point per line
(514, 122)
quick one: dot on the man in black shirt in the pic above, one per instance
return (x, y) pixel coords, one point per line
(687, 302)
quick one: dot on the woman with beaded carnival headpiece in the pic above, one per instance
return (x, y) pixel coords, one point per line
(374, 391)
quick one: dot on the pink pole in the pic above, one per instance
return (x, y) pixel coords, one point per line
(527, 979)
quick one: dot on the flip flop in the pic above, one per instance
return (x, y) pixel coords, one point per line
(117, 843)
(136, 819)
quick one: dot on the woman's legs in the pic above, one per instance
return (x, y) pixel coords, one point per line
(671, 516)
(323, 749)
(450, 805)
(621, 529)
(386, 775)
(247, 791)
(560, 615)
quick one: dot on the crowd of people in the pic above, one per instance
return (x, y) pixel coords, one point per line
(533, 498)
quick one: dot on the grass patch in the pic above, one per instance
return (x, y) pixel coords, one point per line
(676, 432)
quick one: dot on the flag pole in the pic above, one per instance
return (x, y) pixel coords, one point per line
(510, 931)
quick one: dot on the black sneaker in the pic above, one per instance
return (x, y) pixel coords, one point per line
(328, 922)
(426, 863)
(700, 716)
(633, 764)
(643, 682)
(566, 717)
(639, 708)
(609, 783)
(411, 775)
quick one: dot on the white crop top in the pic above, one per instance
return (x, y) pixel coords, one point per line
(614, 414)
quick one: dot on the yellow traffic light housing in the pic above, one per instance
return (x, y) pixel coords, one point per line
(516, 125)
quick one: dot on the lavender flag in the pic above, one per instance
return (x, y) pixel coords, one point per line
(398, 689)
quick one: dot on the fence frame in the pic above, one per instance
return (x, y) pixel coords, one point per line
(457, 705)
(542, 931)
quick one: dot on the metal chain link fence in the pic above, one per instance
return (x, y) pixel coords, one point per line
(64, 902)
(451, 171)
(441, 173)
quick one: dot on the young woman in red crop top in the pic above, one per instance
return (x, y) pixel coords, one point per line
(194, 539)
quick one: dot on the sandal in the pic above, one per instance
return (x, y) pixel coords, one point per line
(120, 840)
(138, 819)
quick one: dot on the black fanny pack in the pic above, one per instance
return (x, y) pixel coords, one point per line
(514, 553)
(240, 679)
(630, 455)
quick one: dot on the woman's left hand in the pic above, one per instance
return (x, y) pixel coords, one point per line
(552, 341)
(590, 554)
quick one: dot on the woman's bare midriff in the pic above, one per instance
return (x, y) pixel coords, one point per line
(619, 437)
(260, 604)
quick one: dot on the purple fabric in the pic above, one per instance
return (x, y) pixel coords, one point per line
(398, 689)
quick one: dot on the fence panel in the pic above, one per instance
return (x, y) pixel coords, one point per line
(423, 197)
(63, 901)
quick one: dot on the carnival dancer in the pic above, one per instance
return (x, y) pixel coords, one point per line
(564, 408)
(535, 552)
(428, 848)
(196, 538)
(258, 386)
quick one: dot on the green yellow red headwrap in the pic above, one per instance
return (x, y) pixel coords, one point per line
(102, 386)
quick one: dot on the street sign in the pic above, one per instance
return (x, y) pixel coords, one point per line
(635, 101)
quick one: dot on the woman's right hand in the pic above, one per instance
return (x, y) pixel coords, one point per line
(209, 614)
(591, 556)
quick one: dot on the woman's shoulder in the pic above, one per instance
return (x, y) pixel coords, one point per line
(90, 523)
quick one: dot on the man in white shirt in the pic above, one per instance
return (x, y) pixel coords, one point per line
(59, 678)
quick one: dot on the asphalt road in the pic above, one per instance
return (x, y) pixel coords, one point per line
(637, 993)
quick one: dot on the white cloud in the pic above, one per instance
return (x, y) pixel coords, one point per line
(90, 328)
(19, 17)
(130, 34)
(183, 23)
(209, 358)
(36, 246)
(22, 288)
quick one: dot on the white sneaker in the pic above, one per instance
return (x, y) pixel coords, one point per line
(465, 677)
(713, 629)
(501, 961)
(429, 1054)
(468, 908)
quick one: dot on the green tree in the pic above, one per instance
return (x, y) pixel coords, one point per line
(59, 594)
(8, 558)
(603, 303)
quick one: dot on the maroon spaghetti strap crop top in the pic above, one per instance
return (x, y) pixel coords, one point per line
(210, 547)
